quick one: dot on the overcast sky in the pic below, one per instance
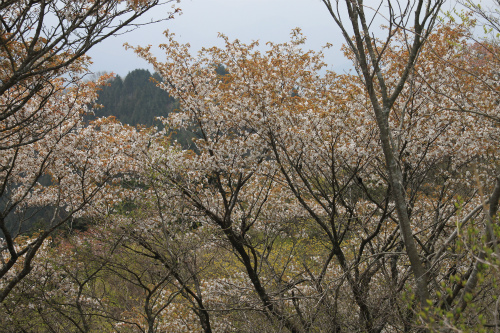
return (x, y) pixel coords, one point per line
(246, 20)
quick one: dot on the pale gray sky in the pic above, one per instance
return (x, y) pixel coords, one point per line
(246, 20)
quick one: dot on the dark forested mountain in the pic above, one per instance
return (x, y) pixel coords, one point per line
(135, 100)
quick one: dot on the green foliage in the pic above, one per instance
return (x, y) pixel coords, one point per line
(474, 310)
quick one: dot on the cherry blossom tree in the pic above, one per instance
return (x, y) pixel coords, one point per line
(158, 259)
(66, 290)
(288, 158)
(42, 135)
(369, 54)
